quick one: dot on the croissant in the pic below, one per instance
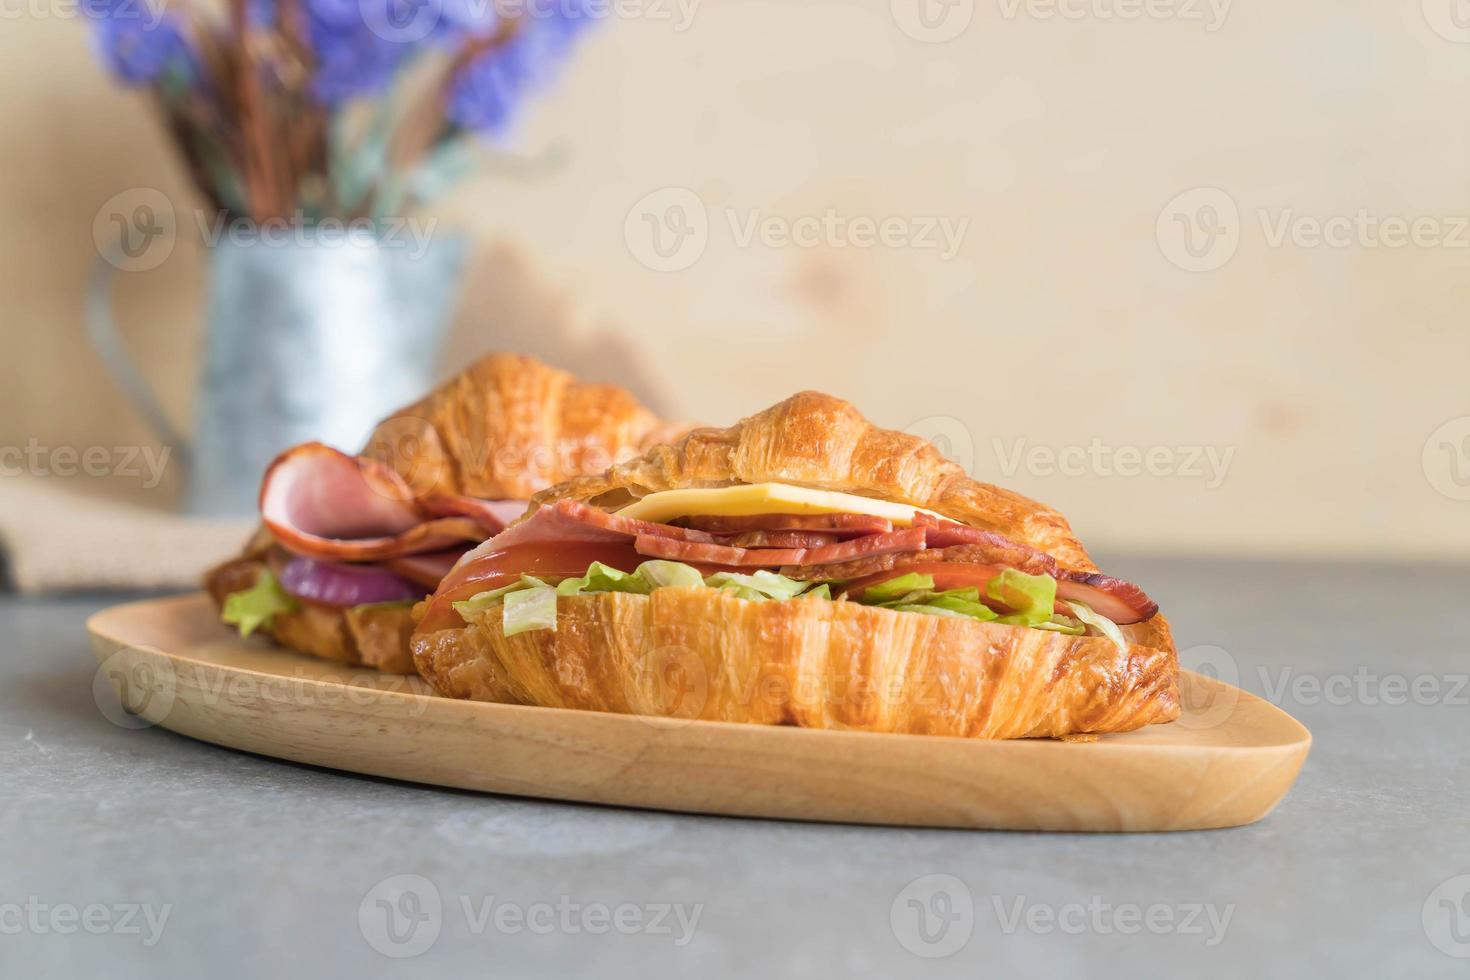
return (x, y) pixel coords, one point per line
(712, 654)
(434, 478)
(508, 426)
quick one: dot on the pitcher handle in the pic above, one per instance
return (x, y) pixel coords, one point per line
(103, 334)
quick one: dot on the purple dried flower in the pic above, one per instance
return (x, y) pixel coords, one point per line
(135, 48)
(487, 92)
(361, 44)
(469, 18)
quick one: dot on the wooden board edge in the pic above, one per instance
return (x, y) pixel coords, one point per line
(1260, 793)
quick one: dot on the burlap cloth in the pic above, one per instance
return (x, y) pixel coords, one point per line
(60, 538)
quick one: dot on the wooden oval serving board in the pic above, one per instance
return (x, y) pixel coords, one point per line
(1228, 760)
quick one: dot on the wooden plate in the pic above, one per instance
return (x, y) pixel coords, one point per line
(1228, 761)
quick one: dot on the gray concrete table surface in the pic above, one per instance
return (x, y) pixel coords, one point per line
(141, 853)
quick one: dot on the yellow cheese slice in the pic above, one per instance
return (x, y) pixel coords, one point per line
(750, 499)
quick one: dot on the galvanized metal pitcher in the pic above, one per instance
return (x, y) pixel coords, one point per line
(312, 339)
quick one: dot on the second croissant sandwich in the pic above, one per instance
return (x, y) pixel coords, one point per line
(801, 567)
(348, 544)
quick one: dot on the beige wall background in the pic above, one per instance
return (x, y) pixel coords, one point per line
(1321, 376)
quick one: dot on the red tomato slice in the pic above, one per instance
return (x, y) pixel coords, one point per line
(947, 575)
(498, 568)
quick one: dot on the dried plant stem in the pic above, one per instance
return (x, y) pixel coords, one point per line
(424, 125)
(261, 178)
(186, 141)
(305, 140)
(204, 122)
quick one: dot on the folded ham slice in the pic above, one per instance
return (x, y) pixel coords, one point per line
(321, 503)
(498, 514)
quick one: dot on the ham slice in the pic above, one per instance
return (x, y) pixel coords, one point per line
(911, 539)
(572, 520)
(496, 514)
(321, 503)
(694, 552)
(1122, 602)
(894, 542)
(1004, 554)
(845, 525)
(779, 539)
(945, 534)
(987, 547)
(428, 569)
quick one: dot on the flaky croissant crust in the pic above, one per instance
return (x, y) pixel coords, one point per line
(508, 426)
(819, 440)
(701, 653)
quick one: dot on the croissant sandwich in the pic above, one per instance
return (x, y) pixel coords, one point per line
(348, 544)
(801, 567)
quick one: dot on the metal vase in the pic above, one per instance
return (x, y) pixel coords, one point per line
(315, 338)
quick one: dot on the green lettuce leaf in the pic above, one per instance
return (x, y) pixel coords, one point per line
(256, 607)
(470, 608)
(964, 606)
(896, 588)
(661, 574)
(768, 585)
(929, 610)
(529, 609)
(1062, 624)
(744, 592)
(1033, 597)
(959, 602)
(604, 578)
(1101, 623)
